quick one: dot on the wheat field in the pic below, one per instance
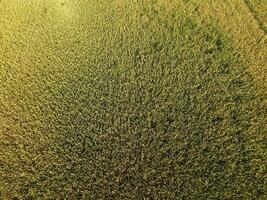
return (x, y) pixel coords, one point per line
(133, 99)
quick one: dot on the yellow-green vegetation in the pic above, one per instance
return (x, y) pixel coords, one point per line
(258, 9)
(133, 99)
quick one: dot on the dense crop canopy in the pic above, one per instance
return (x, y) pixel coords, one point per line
(132, 99)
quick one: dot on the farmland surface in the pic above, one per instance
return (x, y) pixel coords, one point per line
(133, 99)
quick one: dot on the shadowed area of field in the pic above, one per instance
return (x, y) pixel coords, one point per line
(132, 99)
